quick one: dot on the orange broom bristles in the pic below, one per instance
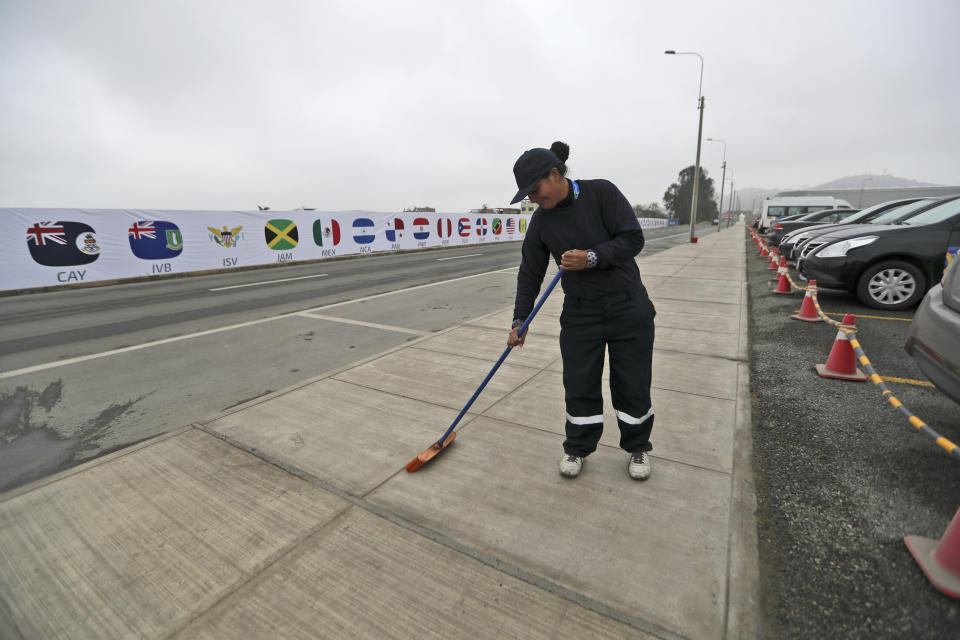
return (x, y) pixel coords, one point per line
(430, 453)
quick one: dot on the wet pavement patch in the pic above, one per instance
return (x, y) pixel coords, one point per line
(32, 447)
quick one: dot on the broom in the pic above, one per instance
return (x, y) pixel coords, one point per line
(448, 436)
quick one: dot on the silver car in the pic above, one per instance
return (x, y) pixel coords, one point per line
(934, 339)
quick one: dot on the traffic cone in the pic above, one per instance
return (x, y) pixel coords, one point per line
(763, 249)
(775, 265)
(940, 562)
(784, 284)
(841, 363)
(808, 310)
(774, 260)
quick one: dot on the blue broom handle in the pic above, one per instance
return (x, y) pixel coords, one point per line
(523, 330)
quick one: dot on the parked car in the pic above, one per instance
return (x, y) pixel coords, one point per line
(893, 216)
(793, 216)
(934, 338)
(793, 239)
(780, 228)
(777, 207)
(887, 266)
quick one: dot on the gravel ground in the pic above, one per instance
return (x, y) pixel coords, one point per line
(842, 477)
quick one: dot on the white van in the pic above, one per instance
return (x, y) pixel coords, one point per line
(780, 206)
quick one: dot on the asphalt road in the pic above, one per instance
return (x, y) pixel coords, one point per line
(842, 476)
(91, 370)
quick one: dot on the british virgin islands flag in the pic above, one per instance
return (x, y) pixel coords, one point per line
(155, 239)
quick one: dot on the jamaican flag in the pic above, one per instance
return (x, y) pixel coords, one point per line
(281, 234)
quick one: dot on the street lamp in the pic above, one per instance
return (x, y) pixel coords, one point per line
(724, 176)
(696, 170)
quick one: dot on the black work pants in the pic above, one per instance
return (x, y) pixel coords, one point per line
(622, 323)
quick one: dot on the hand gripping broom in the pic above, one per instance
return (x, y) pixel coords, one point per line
(448, 436)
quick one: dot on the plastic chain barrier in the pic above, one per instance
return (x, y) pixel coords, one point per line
(885, 391)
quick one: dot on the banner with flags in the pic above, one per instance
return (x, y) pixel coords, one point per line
(47, 247)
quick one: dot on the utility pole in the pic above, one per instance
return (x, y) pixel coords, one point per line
(696, 170)
(723, 179)
(696, 179)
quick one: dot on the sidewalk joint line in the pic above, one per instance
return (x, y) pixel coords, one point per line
(540, 582)
(492, 361)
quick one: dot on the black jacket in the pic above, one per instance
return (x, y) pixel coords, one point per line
(601, 219)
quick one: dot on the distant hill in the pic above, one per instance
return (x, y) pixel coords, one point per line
(872, 181)
(750, 198)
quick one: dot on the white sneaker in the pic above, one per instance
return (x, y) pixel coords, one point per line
(639, 467)
(570, 465)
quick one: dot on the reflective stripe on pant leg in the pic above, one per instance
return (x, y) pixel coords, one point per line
(630, 331)
(582, 348)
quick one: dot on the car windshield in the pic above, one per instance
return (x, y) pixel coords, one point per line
(899, 212)
(863, 213)
(816, 215)
(937, 214)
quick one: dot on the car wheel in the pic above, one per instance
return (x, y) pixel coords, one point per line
(891, 285)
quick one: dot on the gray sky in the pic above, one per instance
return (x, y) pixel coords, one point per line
(383, 105)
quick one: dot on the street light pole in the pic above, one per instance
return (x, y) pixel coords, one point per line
(730, 204)
(723, 177)
(696, 169)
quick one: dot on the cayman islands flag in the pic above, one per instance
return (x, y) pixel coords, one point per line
(463, 227)
(62, 244)
(363, 231)
(394, 230)
(155, 239)
(326, 234)
(481, 226)
(421, 228)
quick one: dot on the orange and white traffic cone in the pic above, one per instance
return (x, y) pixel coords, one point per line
(842, 361)
(763, 249)
(784, 285)
(774, 260)
(808, 310)
(940, 561)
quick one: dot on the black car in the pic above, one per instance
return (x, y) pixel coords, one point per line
(780, 228)
(792, 216)
(896, 215)
(888, 266)
(790, 244)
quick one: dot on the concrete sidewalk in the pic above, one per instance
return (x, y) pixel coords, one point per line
(292, 516)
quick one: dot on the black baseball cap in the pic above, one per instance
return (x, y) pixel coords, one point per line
(532, 167)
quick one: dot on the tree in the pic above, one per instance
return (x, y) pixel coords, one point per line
(680, 195)
(652, 210)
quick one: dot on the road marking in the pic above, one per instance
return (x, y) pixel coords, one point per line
(255, 284)
(919, 383)
(396, 291)
(469, 255)
(361, 323)
(241, 325)
(136, 347)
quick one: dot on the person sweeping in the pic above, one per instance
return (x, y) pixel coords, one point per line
(590, 230)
